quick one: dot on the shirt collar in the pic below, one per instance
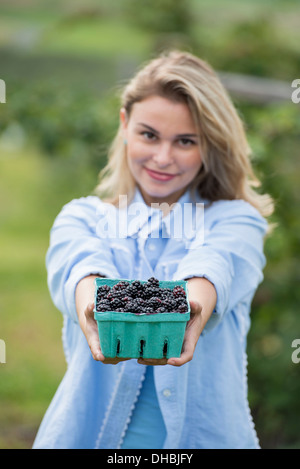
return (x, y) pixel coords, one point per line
(182, 222)
(137, 219)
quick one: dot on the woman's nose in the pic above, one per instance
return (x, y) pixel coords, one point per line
(163, 154)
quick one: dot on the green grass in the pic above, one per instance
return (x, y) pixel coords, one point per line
(103, 37)
(30, 324)
(88, 37)
(58, 29)
(33, 189)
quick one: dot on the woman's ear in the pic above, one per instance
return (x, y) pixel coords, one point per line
(124, 122)
(123, 117)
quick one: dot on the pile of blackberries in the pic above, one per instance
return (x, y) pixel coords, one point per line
(141, 298)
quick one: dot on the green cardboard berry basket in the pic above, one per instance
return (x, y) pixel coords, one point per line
(130, 335)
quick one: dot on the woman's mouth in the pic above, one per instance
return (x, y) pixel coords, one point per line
(160, 176)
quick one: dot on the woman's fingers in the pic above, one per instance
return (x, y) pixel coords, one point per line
(192, 333)
(92, 337)
(191, 336)
(91, 333)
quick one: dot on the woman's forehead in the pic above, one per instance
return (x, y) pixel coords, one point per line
(160, 111)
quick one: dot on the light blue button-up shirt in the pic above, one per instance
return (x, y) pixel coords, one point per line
(204, 402)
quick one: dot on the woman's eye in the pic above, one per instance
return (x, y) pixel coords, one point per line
(186, 142)
(148, 135)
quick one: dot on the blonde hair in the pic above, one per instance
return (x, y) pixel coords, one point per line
(226, 172)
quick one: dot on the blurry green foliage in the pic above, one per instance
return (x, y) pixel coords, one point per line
(160, 15)
(274, 378)
(63, 122)
(255, 47)
(71, 125)
(73, 128)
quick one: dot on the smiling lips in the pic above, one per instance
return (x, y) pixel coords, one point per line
(160, 176)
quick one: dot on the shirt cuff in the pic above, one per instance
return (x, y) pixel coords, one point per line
(222, 283)
(74, 279)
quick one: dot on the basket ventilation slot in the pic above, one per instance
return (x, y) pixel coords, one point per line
(142, 346)
(118, 347)
(165, 349)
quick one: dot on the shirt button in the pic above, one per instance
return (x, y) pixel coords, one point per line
(167, 392)
(151, 247)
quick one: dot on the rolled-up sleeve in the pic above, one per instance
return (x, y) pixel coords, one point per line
(75, 251)
(230, 256)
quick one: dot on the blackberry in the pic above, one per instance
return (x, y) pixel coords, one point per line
(178, 291)
(169, 303)
(161, 309)
(115, 294)
(140, 302)
(182, 308)
(102, 291)
(115, 303)
(136, 305)
(126, 298)
(103, 305)
(132, 307)
(178, 301)
(154, 302)
(138, 285)
(137, 297)
(150, 292)
(152, 281)
(166, 293)
(151, 287)
(135, 290)
(121, 285)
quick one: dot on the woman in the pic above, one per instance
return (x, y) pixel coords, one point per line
(180, 144)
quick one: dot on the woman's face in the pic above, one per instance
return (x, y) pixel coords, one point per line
(163, 150)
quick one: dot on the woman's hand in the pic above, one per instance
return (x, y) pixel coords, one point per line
(202, 299)
(85, 310)
(192, 333)
(193, 330)
(191, 336)
(90, 330)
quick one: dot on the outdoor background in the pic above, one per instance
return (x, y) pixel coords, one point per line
(63, 64)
